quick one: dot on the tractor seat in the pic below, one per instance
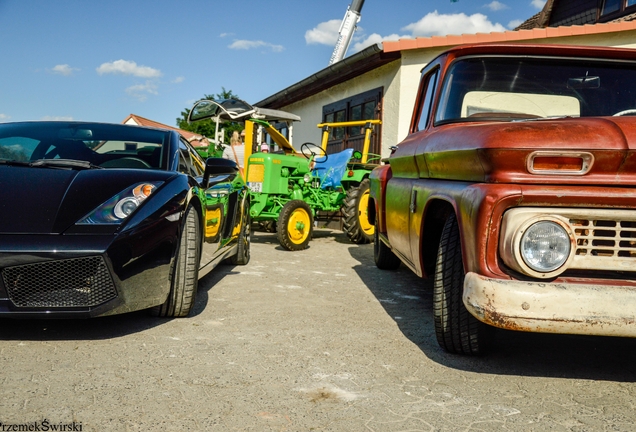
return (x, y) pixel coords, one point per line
(332, 170)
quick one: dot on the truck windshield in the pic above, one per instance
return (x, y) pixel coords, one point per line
(509, 88)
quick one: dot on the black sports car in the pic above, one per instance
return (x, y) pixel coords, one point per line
(98, 219)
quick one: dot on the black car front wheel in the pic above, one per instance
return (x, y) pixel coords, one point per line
(184, 275)
(242, 256)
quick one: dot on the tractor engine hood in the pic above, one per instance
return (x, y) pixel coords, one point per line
(44, 200)
(564, 151)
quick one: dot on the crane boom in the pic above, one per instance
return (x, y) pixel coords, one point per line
(348, 26)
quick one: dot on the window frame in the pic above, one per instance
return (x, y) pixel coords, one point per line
(426, 99)
(623, 9)
(341, 111)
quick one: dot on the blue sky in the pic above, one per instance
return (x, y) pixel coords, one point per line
(100, 60)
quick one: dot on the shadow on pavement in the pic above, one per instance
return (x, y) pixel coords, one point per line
(408, 300)
(78, 329)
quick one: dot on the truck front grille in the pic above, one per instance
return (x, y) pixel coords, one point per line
(78, 282)
(605, 239)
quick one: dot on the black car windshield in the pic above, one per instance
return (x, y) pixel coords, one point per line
(105, 145)
(511, 88)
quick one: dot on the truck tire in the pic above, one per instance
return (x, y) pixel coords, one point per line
(184, 275)
(383, 256)
(356, 222)
(456, 329)
(242, 256)
(295, 225)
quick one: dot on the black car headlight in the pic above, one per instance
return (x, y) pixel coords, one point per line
(118, 208)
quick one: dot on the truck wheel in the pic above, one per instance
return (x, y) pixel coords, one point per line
(184, 275)
(295, 225)
(383, 256)
(242, 256)
(456, 329)
(356, 222)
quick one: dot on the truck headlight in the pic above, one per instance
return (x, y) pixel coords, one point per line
(536, 242)
(545, 246)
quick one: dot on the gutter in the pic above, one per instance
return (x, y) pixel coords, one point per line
(368, 59)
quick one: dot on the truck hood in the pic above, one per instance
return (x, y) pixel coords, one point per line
(500, 152)
(42, 200)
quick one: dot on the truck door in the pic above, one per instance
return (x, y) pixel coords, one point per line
(403, 214)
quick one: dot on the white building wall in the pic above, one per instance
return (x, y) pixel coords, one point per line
(400, 80)
(310, 109)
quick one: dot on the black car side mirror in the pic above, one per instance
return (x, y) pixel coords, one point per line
(219, 166)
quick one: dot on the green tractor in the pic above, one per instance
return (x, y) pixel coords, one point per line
(290, 188)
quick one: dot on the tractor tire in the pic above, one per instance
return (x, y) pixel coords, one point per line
(242, 256)
(184, 275)
(356, 222)
(295, 225)
(457, 331)
(383, 256)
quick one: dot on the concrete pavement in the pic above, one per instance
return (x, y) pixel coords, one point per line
(318, 340)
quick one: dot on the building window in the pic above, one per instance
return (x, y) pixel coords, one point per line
(616, 6)
(363, 106)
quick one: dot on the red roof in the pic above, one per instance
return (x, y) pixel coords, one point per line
(195, 139)
(507, 36)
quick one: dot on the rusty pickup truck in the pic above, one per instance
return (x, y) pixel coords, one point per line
(515, 190)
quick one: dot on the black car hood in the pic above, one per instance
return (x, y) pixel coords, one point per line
(49, 200)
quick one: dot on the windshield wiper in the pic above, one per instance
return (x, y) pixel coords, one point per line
(54, 163)
(13, 162)
(63, 163)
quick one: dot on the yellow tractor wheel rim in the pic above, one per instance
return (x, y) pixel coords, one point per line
(298, 226)
(363, 217)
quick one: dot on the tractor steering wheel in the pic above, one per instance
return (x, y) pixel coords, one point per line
(307, 148)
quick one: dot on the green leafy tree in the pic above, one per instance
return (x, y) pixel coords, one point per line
(206, 127)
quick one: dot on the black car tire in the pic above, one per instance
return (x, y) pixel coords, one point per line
(356, 222)
(383, 256)
(242, 256)
(184, 275)
(456, 329)
(289, 236)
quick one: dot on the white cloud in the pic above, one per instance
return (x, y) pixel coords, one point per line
(514, 24)
(178, 80)
(126, 67)
(538, 3)
(376, 38)
(4, 117)
(141, 91)
(325, 33)
(223, 35)
(435, 23)
(246, 45)
(63, 69)
(496, 6)
(57, 118)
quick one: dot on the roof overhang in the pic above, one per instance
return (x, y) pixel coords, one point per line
(350, 67)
